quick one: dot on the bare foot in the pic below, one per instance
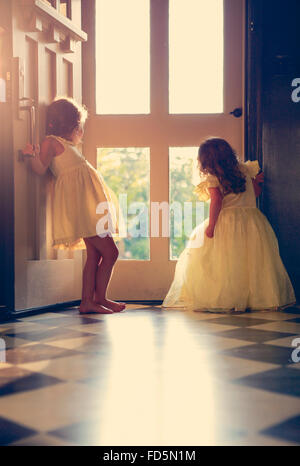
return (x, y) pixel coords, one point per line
(93, 308)
(113, 305)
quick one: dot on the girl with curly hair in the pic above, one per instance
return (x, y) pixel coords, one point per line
(79, 190)
(232, 261)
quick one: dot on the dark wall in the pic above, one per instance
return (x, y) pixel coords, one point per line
(280, 118)
(272, 119)
(6, 168)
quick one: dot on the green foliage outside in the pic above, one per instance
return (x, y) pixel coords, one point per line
(127, 171)
(182, 169)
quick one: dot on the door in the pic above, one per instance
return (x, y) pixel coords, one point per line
(274, 127)
(6, 170)
(156, 85)
(46, 41)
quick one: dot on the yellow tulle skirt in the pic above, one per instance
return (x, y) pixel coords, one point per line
(239, 268)
(76, 197)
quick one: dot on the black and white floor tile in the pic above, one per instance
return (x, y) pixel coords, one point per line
(149, 376)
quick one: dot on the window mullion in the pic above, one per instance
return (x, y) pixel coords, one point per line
(159, 57)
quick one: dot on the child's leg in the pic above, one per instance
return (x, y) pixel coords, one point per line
(89, 282)
(109, 254)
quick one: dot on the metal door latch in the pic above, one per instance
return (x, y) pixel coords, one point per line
(28, 104)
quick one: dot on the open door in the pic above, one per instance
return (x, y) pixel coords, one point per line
(161, 75)
(45, 47)
(273, 118)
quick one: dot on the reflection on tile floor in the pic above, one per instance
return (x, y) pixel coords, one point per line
(150, 377)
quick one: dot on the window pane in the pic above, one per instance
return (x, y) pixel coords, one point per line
(127, 172)
(65, 8)
(196, 56)
(123, 56)
(50, 2)
(184, 176)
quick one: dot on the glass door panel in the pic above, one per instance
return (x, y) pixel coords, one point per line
(127, 172)
(186, 211)
(196, 58)
(195, 75)
(123, 56)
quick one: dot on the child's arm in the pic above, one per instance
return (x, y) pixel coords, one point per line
(214, 210)
(42, 159)
(257, 183)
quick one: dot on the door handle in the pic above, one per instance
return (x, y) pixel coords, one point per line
(237, 112)
(29, 107)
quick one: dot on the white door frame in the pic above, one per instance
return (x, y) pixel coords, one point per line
(149, 280)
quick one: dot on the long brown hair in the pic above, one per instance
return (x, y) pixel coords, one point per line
(63, 116)
(216, 157)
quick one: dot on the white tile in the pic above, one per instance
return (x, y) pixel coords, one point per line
(259, 440)
(269, 315)
(13, 342)
(282, 326)
(283, 342)
(52, 407)
(42, 440)
(69, 368)
(136, 306)
(4, 328)
(195, 315)
(208, 328)
(42, 316)
(14, 372)
(26, 327)
(214, 343)
(253, 409)
(70, 343)
(5, 365)
(94, 328)
(229, 367)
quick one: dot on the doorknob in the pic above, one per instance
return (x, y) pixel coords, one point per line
(30, 107)
(237, 112)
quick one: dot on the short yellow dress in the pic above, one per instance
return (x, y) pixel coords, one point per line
(78, 190)
(240, 267)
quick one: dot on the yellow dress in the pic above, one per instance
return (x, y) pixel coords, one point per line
(78, 190)
(240, 267)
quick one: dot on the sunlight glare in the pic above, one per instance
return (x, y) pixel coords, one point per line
(123, 56)
(159, 385)
(196, 56)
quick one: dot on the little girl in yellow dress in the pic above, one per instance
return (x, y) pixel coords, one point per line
(78, 191)
(231, 262)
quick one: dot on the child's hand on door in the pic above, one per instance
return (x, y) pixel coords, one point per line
(31, 150)
(260, 178)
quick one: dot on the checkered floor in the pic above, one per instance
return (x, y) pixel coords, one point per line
(149, 376)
